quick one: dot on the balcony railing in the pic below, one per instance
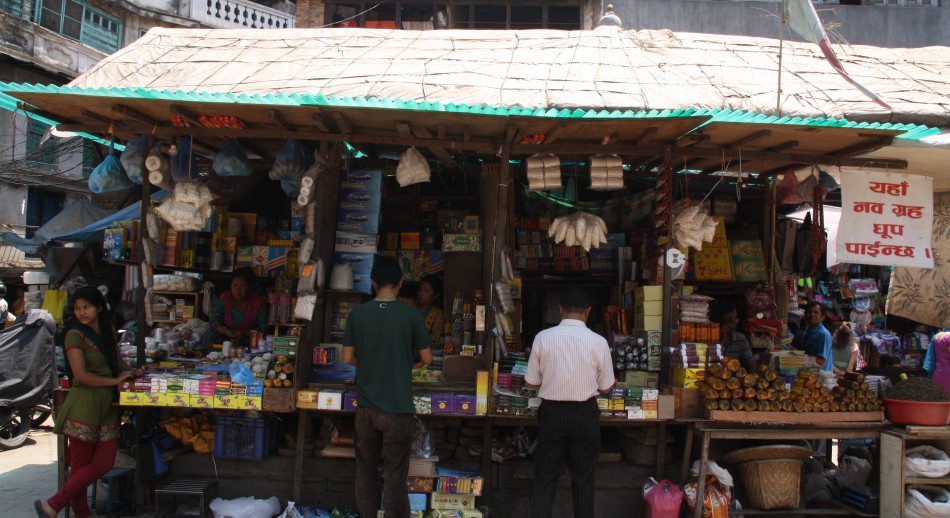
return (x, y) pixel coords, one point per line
(239, 14)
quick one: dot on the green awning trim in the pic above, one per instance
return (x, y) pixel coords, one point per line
(912, 131)
(13, 104)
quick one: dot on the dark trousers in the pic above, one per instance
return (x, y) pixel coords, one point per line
(388, 437)
(567, 431)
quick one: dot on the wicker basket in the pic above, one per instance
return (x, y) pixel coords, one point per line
(772, 484)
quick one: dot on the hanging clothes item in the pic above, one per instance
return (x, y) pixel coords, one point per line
(818, 242)
(803, 247)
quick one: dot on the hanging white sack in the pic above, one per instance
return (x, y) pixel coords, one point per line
(926, 461)
(413, 168)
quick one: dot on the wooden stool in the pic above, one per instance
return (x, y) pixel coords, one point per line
(121, 476)
(203, 490)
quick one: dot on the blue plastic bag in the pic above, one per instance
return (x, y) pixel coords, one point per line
(109, 175)
(231, 160)
(240, 373)
(290, 165)
(133, 160)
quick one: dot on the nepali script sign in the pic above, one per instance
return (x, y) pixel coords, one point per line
(886, 219)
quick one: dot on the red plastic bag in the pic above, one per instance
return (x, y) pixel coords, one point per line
(663, 498)
(787, 192)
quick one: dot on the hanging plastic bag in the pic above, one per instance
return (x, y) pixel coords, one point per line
(926, 461)
(786, 192)
(291, 163)
(927, 502)
(109, 175)
(189, 206)
(133, 160)
(663, 499)
(827, 182)
(806, 187)
(54, 301)
(412, 168)
(231, 160)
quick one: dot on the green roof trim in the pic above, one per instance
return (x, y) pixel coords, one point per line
(911, 131)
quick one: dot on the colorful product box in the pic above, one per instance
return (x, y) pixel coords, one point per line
(276, 259)
(354, 242)
(418, 501)
(349, 401)
(420, 484)
(452, 501)
(360, 262)
(330, 400)
(201, 401)
(409, 240)
(358, 221)
(226, 402)
(360, 199)
(130, 398)
(177, 400)
(462, 243)
(362, 180)
(423, 404)
(465, 404)
(642, 379)
(688, 377)
(153, 399)
(307, 398)
(645, 293)
(362, 283)
(250, 402)
(259, 258)
(443, 403)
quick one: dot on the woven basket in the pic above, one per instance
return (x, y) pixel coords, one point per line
(772, 484)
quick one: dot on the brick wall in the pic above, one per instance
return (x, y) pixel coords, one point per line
(309, 14)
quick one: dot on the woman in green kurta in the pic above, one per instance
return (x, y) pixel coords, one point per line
(88, 417)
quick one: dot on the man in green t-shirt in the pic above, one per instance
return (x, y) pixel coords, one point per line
(381, 339)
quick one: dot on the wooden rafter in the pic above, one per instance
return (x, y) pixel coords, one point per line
(443, 155)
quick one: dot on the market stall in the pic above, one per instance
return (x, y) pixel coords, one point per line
(489, 219)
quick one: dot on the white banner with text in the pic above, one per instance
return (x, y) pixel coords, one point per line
(886, 219)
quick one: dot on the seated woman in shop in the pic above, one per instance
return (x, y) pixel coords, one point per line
(239, 311)
(428, 302)
(844, 350)
(734, 344)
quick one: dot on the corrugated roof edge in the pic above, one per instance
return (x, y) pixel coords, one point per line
(912, 131)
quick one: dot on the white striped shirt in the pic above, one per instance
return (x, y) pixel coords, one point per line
(570, 362)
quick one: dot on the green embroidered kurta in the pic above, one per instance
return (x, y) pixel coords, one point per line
(88, 413)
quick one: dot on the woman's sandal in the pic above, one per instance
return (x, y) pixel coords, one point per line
(41, 512)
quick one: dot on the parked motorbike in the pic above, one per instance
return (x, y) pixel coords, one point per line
(27, 375)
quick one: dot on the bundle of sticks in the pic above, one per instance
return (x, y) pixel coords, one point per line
(853, 394)
(729, 386)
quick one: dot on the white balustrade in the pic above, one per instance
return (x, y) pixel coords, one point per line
(239, 14)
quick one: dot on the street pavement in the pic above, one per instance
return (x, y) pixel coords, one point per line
(28, 473)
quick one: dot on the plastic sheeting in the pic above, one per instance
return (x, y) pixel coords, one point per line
(28, 360)
(73, 216)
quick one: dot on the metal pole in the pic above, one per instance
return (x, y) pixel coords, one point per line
(781, 40)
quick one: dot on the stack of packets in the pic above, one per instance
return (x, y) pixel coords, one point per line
(191, 390)
(629, 403)
(694, 355)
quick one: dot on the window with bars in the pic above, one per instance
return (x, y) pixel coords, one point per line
(81, 22)
(40, 155)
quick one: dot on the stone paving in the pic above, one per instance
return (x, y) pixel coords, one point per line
(28, 473)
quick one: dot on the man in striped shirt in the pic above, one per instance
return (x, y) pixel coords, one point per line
(571, 364)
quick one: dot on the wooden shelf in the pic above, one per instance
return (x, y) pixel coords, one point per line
(942, 481)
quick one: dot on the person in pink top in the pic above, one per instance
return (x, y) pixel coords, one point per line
(937, 362)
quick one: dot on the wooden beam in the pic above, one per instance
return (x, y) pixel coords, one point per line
(403, 129)
(646, 135)
(783, 146)
(555, 133)
(610, 138)
(691, 140)
(440, 132)
(134, 115)
(439, 152)
(512, 134)
(873, 142)
(185, 114)
(96, 116)
(345, 127)
(320, 121)
(748, 139)
(43, 113)
(277, 119)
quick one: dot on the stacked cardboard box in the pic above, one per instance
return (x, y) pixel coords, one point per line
(648, 309)
(357, 227)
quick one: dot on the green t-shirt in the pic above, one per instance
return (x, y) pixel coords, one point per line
(385, 336)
